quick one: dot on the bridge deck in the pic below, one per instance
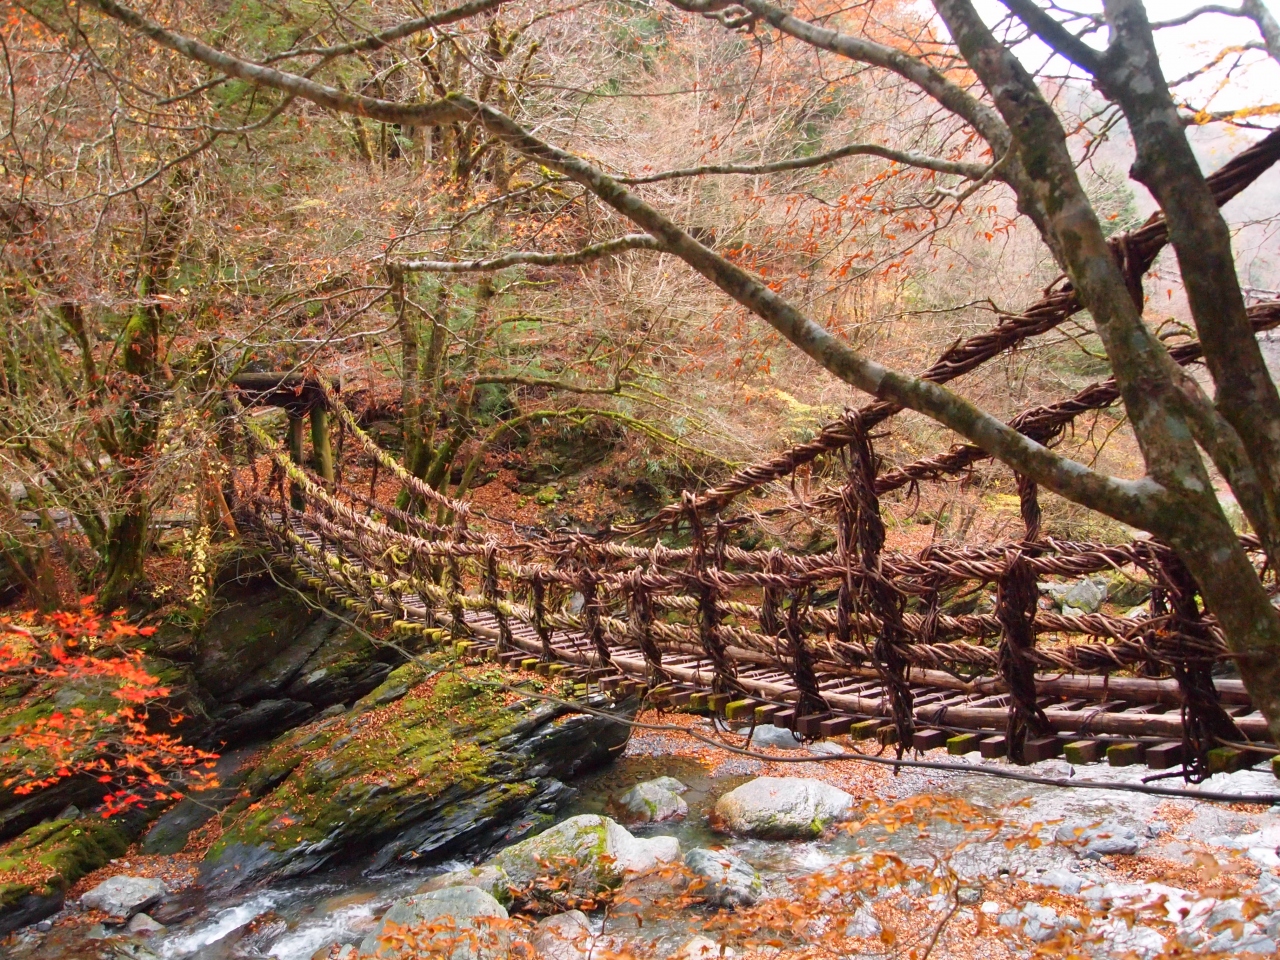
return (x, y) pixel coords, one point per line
(773, 691)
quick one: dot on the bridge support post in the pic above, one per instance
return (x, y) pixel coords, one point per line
(1184, 649)
(297, 428)
(860, 524)
(1016, 597)
(321, 448)
(495, 595)
(539, 590)
(640, 627)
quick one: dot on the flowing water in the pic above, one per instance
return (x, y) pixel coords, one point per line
(292, 920)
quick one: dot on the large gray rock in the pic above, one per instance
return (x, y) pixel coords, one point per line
(448, 769)
(781, 808)
(585, 855)
(863, 923)
(654, 801)
(564, 936)
(774, 738)
(1099, 839)
(462, 923)
(123, 896)
(729, 881)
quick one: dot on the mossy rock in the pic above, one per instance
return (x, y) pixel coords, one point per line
(38, 867)
(1126, 591)
(578, 859)
(447, 766)
(39, 701)
(247, 634)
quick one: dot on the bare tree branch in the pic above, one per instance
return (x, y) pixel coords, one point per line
(932, 81)
(970, 171)
(632, 241)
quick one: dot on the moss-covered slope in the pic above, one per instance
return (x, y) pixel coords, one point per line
(454, 766)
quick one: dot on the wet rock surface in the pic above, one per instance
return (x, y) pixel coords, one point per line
(781, 808)
(654, 801)
(449, 922)
(584, 856)
(122, 896)
(564, 936)
(448, 767)
(728, 880)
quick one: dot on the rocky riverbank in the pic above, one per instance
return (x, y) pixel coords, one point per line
(371, 803)
(333, 749)
(678, 849)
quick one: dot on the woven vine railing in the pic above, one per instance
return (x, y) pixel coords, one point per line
(858, 630)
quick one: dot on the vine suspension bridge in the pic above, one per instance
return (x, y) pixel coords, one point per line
(852, 640)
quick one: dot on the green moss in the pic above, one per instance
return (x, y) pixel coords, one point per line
(434, 738)
(52, 856)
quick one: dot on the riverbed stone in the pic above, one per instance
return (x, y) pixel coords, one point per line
(781, 808)
(489, 877)
(729, 880)
(1038, 922)
(863, 923)
(460, 920)
(450, 768)
(563, 936)
(1094, 840)
(1063, 880)
(141, 925)
(1086, 595)
(122, 896)
(653, 801)
(774, 738)
(585, 855)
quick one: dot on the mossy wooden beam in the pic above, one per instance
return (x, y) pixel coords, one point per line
(321, 447)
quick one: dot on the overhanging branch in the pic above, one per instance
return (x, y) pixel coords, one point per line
(632, 241)
(910, 158)
(1137, 503)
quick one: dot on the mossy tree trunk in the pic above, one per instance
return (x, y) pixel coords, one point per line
(128, 526)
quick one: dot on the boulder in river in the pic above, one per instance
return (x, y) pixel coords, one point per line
(781, 808)
(728, 881)
(123, 896)
(461, 923)
(454, 766)
(144, 926)
(489, 877)
(584, 856)
(654, 801)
